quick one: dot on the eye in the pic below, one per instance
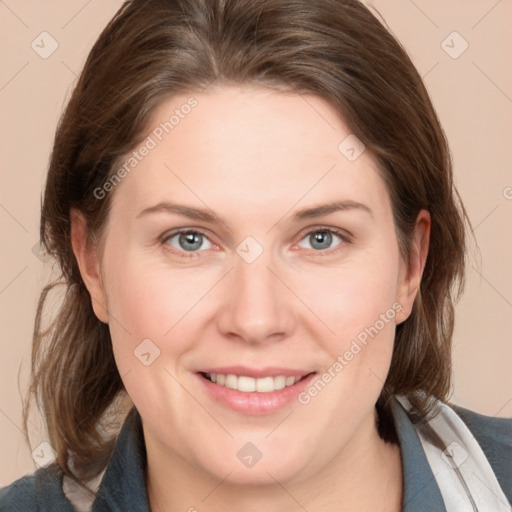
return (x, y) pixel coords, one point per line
(186, 241)
(322, 239)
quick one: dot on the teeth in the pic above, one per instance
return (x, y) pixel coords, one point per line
(279, 382)
(265, 385)
(231, 381)
(245, 384)
(249, 385)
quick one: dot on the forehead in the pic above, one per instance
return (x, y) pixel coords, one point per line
(250, 148)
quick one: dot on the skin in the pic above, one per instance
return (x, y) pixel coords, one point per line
(255, 156)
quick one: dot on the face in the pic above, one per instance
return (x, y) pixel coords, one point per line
(244, 247)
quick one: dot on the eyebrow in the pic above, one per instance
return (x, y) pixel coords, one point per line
(207, 215)
(335, 206)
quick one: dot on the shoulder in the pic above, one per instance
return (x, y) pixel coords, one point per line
(20, 495)
(494, 435)
(40, 492)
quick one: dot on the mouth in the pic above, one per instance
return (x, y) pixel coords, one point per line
(254, 392)
(246, 384)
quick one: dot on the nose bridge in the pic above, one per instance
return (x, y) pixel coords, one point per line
(257, 307)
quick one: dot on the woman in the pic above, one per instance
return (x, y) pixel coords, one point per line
(260, 241)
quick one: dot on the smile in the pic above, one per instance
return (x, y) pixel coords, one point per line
(254, 391)
(247, 384)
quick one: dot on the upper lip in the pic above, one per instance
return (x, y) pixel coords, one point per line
(257, 373)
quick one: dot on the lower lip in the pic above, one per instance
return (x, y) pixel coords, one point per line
(255, 403)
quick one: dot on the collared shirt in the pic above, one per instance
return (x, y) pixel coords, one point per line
(123, 485)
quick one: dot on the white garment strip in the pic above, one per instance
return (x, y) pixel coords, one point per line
(463, 473)
(80, 499)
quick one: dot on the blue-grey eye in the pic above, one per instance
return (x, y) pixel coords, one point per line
(189, 241)
(321, 239)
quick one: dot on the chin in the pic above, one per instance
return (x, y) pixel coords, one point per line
(256, 464)
(262, 474)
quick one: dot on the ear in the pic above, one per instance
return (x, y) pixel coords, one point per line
(410, 272)
(88, 263)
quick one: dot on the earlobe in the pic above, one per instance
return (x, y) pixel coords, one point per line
(88, 263)
(412, 271)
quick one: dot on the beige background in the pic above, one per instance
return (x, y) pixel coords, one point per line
(473, 96)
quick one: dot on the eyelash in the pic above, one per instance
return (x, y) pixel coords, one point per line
(343, 235)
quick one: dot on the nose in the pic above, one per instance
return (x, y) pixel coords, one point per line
(256, 307)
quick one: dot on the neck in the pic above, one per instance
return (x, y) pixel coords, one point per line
(366, 475)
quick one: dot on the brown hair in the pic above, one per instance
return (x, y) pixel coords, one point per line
(335, 49)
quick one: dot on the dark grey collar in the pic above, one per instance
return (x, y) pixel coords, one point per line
(421, 492)
(124, 485)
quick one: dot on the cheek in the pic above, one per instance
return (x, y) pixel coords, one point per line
(353, 297)
(358, 303)
(156, 303)
(146, 308)
(148, 297)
